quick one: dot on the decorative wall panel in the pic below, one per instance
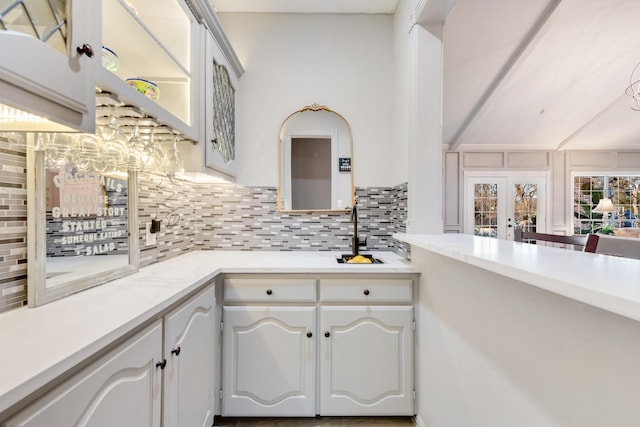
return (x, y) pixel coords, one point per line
(483, 160)
(528, 160)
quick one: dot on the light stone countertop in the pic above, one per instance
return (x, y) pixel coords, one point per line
(40, 344)
(607, 282)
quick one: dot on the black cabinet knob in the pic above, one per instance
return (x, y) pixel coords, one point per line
(309, 334)
(269, 291)
(176, 351)
(85, 49)
(366, 291)
(327, 334)
(162, 364)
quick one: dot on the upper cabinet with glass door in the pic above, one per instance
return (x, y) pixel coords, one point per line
(222, 71)
(49, 49)
(153, 44)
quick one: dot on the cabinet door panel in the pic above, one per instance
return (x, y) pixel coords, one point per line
(121, 389)
(41, 80)
(269, 361)
(190, 371)
(366, 361)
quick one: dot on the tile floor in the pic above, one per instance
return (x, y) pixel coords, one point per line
(316, 422)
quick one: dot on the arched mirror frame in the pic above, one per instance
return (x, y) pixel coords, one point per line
(39, 292)
(281, 160)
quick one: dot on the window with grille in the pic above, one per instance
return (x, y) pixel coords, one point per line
(621, 189)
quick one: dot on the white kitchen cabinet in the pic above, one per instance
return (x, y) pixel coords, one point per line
(269, 356)
(366, 346)
(53, 82)
(122, 388)
(164, 375)
(162, 41)
(366, 360)
(189, 375)
(269, 350)
(215, 154)
(159, 41)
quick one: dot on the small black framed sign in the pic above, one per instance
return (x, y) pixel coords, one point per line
(344, 164)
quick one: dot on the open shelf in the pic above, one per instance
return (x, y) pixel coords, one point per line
(153, 40)
(141, 51)
(114, 91)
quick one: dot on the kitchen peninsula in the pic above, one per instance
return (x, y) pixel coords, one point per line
(520, 334)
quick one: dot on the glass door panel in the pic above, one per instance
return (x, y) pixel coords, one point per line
(485, 209)
(496, 205)
(44, 20)
(524, 208)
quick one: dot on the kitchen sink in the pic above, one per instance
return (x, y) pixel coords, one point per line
(346, 257)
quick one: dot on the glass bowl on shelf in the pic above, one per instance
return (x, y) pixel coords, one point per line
(145, 87)
(109, 59)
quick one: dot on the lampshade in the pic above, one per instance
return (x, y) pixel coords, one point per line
(604, 205)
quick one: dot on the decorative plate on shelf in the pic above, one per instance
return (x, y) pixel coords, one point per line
(145, 87)
(109, 59)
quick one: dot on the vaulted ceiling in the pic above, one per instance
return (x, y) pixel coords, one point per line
(523, 74)
(546, 74)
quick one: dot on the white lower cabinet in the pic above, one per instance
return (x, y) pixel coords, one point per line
(366, 360)
(189, 374)
(269, 355)
(122, 388)
(358, 361)
(141, 383)
(366, 348)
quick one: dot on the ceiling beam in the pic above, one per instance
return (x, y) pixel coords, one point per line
(567, 140)
(433, 11)
(505, 70)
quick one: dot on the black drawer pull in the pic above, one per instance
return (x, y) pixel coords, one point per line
(366, 291)
(269, 291)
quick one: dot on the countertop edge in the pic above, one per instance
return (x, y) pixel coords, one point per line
(586, 277)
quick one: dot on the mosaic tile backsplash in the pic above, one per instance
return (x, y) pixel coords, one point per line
(13, 222)
(197, 216)
(233, 217)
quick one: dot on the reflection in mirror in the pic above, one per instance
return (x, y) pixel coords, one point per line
(82, 226)
(315, 150)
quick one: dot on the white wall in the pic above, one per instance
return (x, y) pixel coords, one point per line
(291, 60)
(560, 165)
(402, 63)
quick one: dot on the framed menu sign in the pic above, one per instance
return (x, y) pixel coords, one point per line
(82, 228)
(86, 213)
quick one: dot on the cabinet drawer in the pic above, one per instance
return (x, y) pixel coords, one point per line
(269, 290)
(366, 290)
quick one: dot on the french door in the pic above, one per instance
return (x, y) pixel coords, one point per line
(496, 205)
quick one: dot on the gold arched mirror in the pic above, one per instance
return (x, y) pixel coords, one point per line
(316, 161)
